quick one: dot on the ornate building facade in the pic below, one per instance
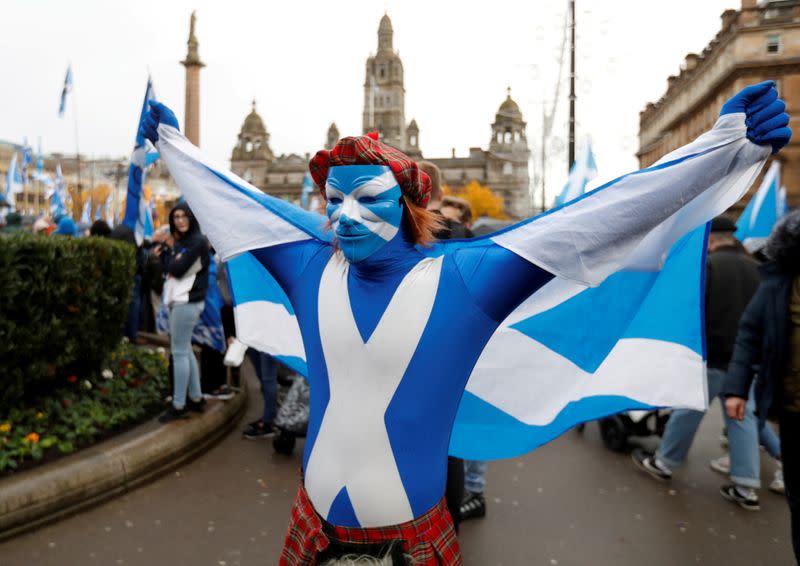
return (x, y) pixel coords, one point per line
(759, 41)
(503, 166)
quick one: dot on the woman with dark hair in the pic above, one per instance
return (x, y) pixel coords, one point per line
(186, 267)
(768, 344)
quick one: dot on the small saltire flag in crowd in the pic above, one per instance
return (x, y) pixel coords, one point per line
(58, 204)
(14, 181)
(137, 212)
(66, 89)
(763, 210)
(27, 159)
(39, 160)
(583, 170)
(108, 209)
(86, 213)
(308, 188)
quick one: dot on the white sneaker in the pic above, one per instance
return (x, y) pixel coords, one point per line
(721, 464)
(777, 484)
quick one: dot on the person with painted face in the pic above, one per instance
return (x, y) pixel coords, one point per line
(374, 298)
(186, 267)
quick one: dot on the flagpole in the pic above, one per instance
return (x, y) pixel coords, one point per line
(77, 144)
(571, 86)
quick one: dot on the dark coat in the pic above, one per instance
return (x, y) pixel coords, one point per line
(762, 343)
(731, 281)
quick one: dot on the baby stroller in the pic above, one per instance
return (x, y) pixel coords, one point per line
(616, 430)
(292, 418)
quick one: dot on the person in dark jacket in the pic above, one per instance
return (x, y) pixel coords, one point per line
(186, 267)
(768, 344)
(731, 280)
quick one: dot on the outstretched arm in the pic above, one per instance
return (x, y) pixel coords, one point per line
(235, 216)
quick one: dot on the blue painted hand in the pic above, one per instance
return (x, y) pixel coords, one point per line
(766, 119)
(159, 114)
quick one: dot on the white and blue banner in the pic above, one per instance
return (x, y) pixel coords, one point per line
(583, 170)
(58, 197)
(571, 354)
(86, 213)
(767, 205)
(620, 328)
(137, 212)
(66, 89)
(14, 182)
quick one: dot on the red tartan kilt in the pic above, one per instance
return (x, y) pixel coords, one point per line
(430, 539)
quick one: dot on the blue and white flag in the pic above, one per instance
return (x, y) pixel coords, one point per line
(39, 160)
(14, 182)
(137, 213)
(763, 211)
(27, 159)
(308, 188)
(66, 89)
(58, 200)
(583, 170)
(86, 213)
(619, 328)
(108, 209)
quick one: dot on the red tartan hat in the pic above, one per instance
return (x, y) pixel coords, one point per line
(368, 150)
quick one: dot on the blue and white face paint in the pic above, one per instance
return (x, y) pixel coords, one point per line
(363, 207)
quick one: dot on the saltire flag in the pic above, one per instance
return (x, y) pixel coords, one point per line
(27, 159)
(86, 213)
(137, 213)
(58, 204)
(39, 160)
(108, 209)
(14, 182)
(763, 211)
(66, 89)
(619, 328)
(583, 170)
(308, 188)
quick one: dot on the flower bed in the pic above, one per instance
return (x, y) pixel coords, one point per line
(84, 409)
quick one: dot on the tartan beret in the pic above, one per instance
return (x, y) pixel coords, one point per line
(368, 150)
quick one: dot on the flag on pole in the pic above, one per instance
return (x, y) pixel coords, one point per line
(27, 159)
(86, 214)
(137, 212)
(763, 210)
(308, 188)
(583, 170)
(66, 89)
(39, 160)
(14, 181)
(58, 202)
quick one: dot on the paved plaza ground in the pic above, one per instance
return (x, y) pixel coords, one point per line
(571, 502)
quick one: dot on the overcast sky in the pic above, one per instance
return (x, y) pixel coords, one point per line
(304, 61)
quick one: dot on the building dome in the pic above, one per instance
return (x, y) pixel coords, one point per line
(253, 123)
(509, 108)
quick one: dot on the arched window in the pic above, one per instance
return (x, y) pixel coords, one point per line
(507, 137)
(248, 146)
(412, 141)
(508, 169)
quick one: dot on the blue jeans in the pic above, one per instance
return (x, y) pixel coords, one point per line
(267, 371)
(474, 476)
(182, 320)
(742, 437)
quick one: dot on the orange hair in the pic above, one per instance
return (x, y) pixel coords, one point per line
(420, 223)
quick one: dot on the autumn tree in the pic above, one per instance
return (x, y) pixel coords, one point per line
(482, 200)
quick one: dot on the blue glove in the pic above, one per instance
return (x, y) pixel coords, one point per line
(158, 114)
(766, 119)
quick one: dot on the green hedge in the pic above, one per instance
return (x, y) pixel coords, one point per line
(63, 302)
